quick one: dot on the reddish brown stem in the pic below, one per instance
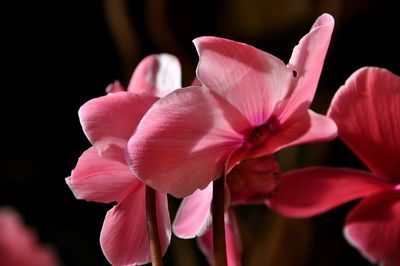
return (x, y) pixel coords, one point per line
(152, 229)
(218, 210)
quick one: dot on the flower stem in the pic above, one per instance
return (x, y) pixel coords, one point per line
(152, 229)
(218, 210)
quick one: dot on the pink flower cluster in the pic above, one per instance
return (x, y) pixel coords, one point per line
(244, 106)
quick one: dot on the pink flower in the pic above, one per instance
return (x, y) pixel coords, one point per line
(102, 174)
(18, 244)
(366, 110)
(252, 105)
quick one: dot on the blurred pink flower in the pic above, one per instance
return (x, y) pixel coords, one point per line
(252, 105)
(19, 245)
(366, 110)
(102, 174)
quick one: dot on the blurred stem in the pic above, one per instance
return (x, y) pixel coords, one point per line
(218, 210)
(152, 229)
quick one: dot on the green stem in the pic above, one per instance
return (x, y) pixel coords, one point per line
(218, 210)
(152, 229)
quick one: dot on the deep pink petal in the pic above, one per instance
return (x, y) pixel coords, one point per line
(373, 227)
(367, 110)
(311, 191)
(115, 87)
(252, 80)
(124, 238)
(110, 120)
(184, 140)
(232, 238)
(156, 75)
(101, 180)
(310, 127)
(194, 215)
(307, 60)
(19, 244)
(252, 181)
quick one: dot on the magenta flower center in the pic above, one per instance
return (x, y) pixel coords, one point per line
(261, 133)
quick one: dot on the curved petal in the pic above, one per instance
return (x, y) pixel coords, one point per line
(101, 180)
(307, 61)
(375, 135)
(115, 87)
(194, 215)
(19, 245)
(311, 191)
(373, 227)
(110, 120)
(156, 75)
(310, 127)
(124, 239)
(232, 238)
(250, 79)
(183, 141)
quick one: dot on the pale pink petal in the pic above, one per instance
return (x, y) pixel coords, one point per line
(306, 61)
(311, 191)
(101, 180)
(232, 238)
(252, 80)
(194, 215)
(110, 120)
(373, 227)
(182, 143)
(310, 127)
(156, 75)
(115, 87)
(367, 110)
(124, 239)
(19, 245)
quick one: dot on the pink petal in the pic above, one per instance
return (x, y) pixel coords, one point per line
(311, 191)
(232, 238)
(124, 239)
(101, 180)
(156, 75)
(367, 110)
(19, 244)
(307, 60)
(184, 140)
(115, 87)
(310, 127)
(194, 215)
(250, 79)
(109, 121)
(373, 227)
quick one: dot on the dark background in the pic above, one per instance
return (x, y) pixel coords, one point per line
(57, 55)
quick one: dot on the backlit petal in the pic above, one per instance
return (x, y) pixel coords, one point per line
(184, 140)
(307, 60)
(110, 120)
(308, 128)
(252, 80)
(156, 75)
(194, 215)
(373, 227)
(367, 110)
(101, 180)
(124, 239)
(311, 191)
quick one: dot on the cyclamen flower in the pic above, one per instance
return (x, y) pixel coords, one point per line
(102, 174)
(366, 110)
(18, 244)
(252, 105)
